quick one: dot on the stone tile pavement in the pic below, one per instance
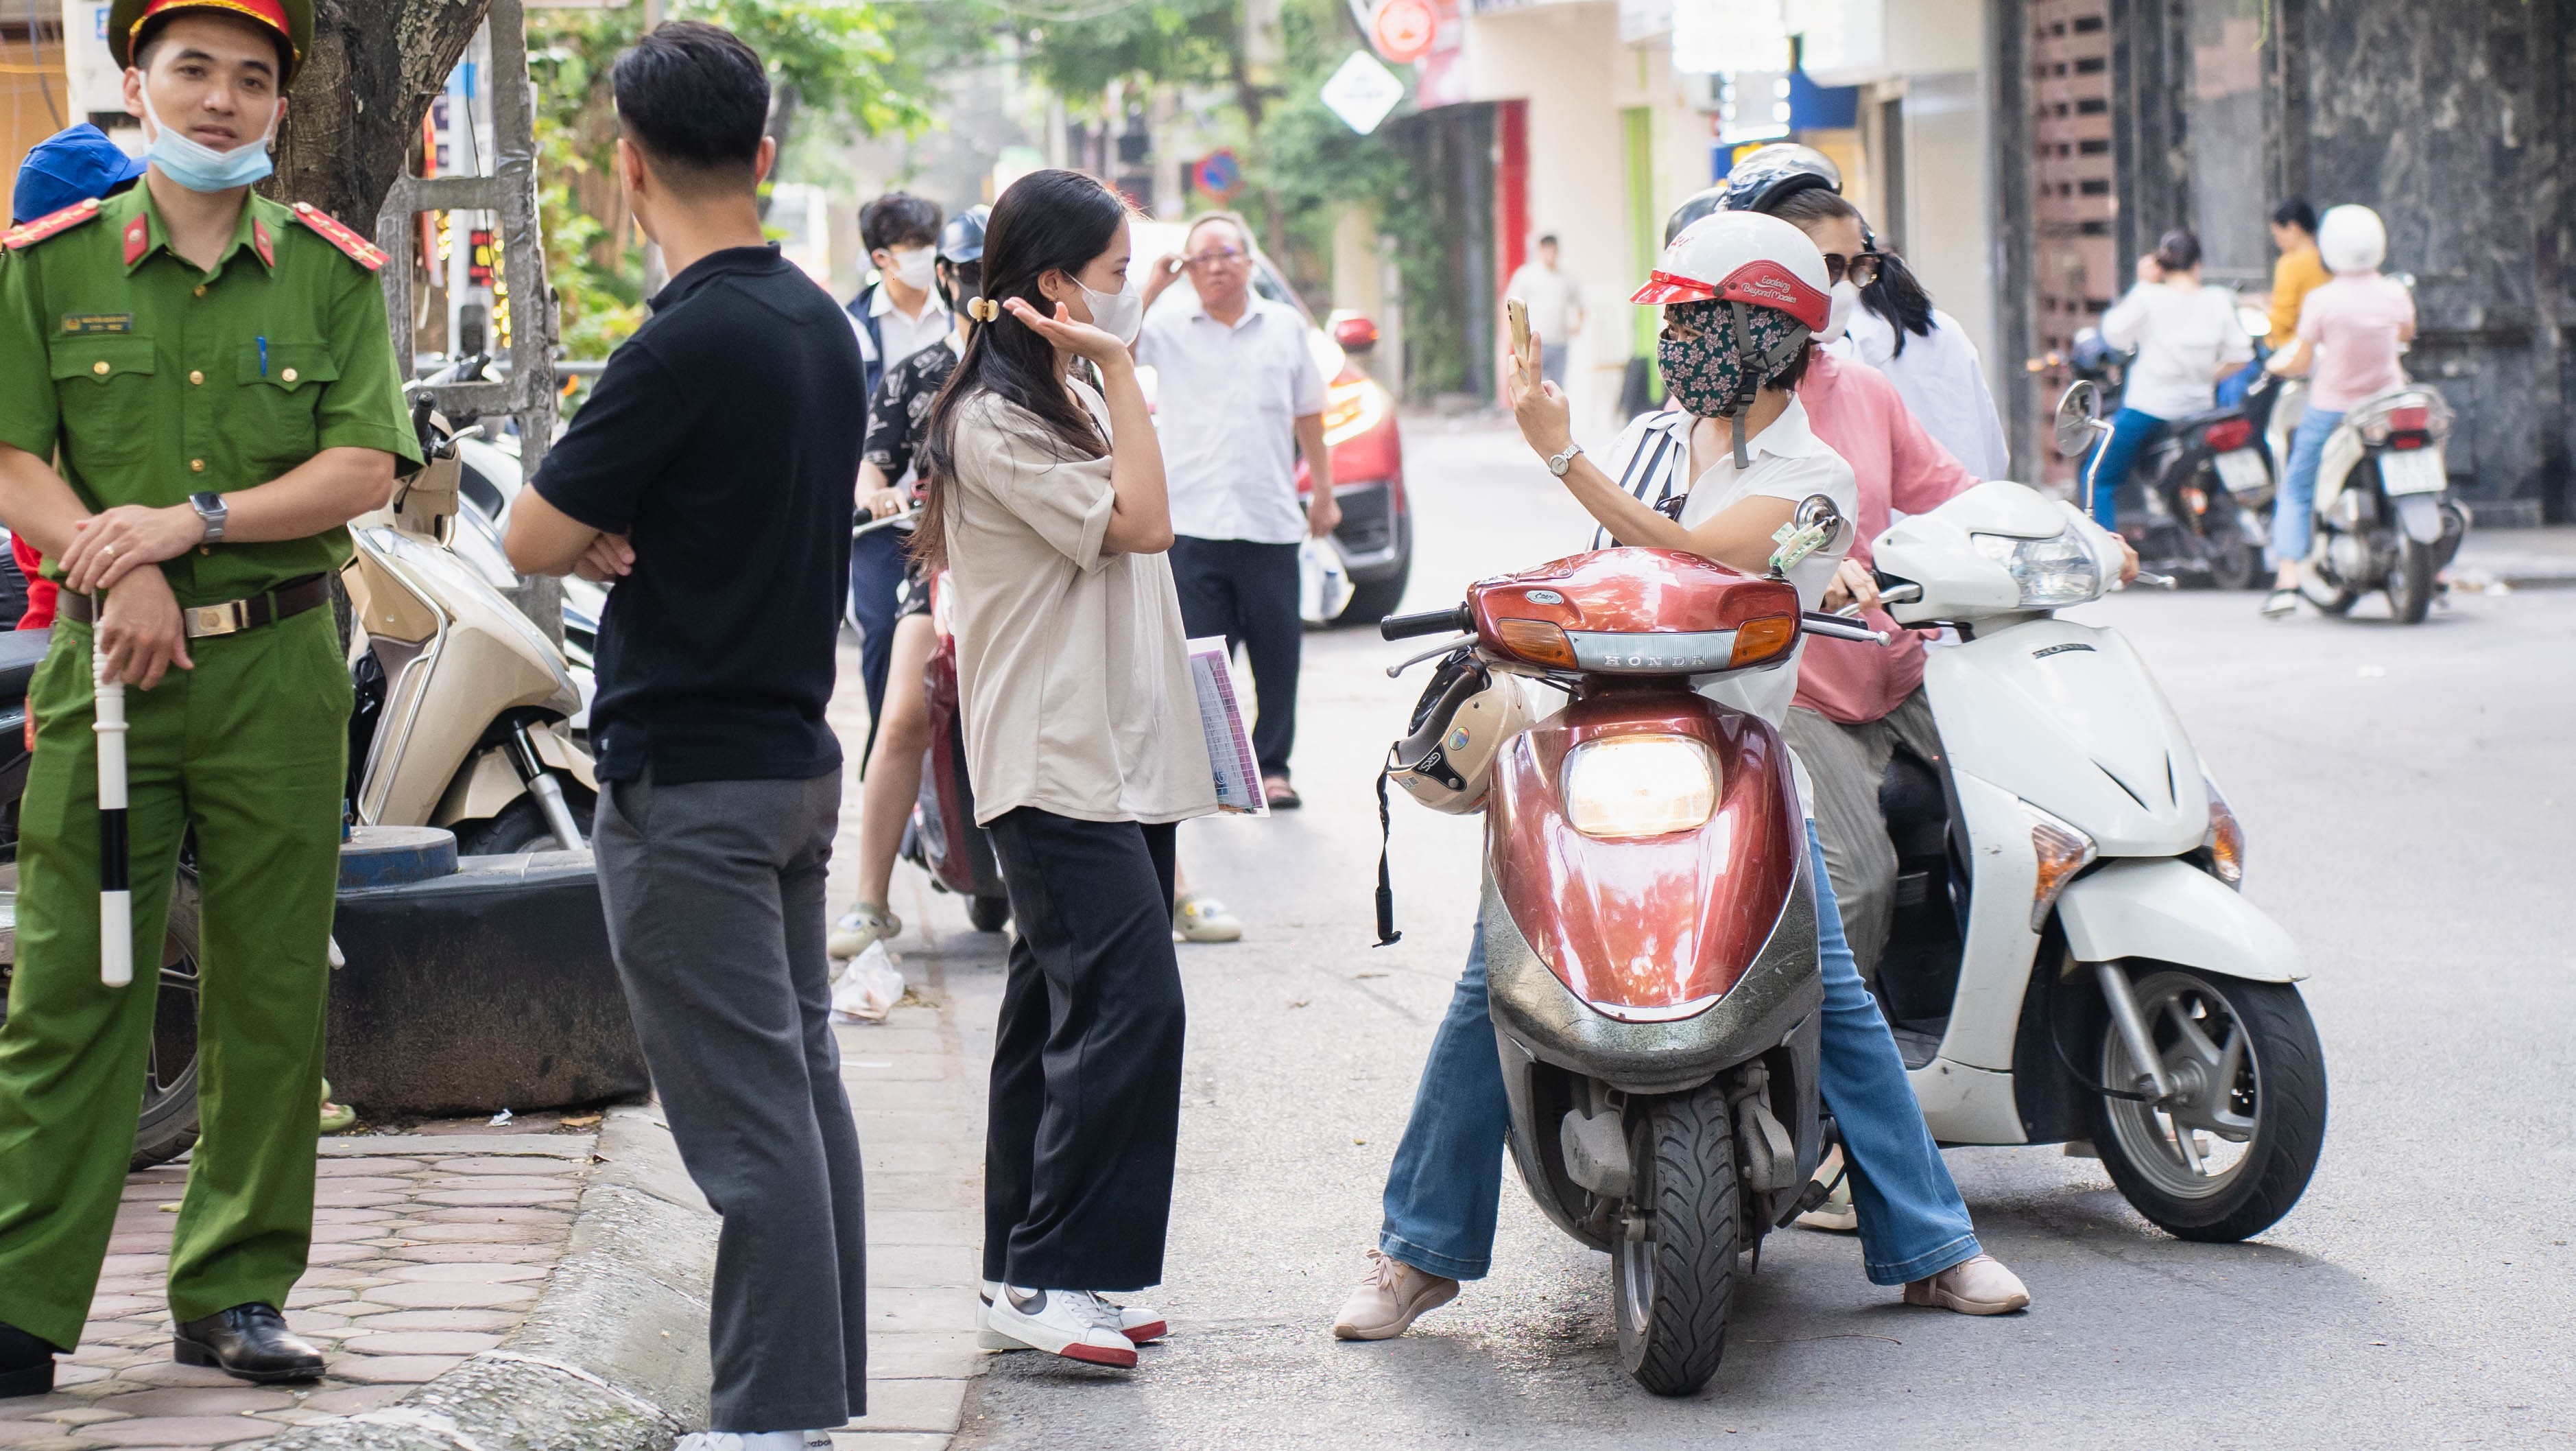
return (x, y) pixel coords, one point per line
(428, 1248)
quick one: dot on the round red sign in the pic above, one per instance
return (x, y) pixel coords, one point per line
(1403, 29)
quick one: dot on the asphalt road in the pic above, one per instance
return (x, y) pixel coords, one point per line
(2406, 793)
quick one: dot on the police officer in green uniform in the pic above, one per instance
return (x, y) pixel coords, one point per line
(214, 374)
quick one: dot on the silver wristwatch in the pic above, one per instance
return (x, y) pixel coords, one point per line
(1557, 464)
(211, 508)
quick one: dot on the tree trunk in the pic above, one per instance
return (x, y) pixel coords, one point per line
(356, 106)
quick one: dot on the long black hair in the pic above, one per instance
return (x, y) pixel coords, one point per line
(1048, 221)
(1894, 294)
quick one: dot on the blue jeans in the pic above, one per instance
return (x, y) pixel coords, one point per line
(2294, 513)
(876, 575)
(2130, 430)
(1446, 1183)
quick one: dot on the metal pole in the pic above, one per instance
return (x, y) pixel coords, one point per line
(115, 894)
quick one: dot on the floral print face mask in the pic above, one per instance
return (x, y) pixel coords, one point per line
(1704, 360)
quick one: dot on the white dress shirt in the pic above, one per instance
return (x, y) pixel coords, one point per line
(905, 336)
(1227, 401)
(1943, 383)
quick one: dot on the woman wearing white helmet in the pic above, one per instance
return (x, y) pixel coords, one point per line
(1743, 295)
(2349, 332)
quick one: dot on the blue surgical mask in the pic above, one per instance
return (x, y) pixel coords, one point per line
(200, 167)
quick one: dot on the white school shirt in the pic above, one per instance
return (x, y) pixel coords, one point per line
(1943, 383)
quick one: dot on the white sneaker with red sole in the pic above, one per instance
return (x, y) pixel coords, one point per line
(1075, 1324)
(1141, 1327)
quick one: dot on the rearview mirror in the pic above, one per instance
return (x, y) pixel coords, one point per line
(2079, 416)
(2256, 322)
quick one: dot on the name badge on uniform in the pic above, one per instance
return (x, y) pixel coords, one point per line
(98, 322)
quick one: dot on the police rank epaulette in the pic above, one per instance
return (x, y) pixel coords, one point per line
(361, 251)
(30, 233)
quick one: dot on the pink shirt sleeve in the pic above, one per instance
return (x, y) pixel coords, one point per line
(1923, 474)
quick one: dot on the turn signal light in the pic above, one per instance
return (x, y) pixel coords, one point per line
(1761, 639)
(2062, 851)
(2226, 840)
(1540, 642)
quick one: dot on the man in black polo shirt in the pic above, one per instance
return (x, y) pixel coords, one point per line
(709, 476)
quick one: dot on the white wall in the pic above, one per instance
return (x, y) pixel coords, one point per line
(1949, 223)
(1563, 60)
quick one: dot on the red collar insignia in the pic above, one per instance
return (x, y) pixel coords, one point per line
(138, 238)
(358, 249)
(259, 243)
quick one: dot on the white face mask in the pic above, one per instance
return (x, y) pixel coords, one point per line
(1120, 314)
(1845, 298)
(915, 267)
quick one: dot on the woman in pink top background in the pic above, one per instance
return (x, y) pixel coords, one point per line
(2350, 331)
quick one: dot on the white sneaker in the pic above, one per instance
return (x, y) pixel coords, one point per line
(1204, 919)
(1141, 1327)
(755, 1441)
(1981, 1286)
(1075, 1324)
(864, 923)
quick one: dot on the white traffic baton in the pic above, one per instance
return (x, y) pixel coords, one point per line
(115, 894)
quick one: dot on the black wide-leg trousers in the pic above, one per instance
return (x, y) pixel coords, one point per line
(1086, 1091)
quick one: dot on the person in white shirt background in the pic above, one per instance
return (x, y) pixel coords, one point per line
(896, 316)
(2187, 338)
(1934, 366)
(1238, 396)
(1555, 302)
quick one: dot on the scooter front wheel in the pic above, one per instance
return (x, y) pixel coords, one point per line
(2231, 1150)
(1672, 1258)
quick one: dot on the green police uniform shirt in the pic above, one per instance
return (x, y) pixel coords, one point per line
(155, 380)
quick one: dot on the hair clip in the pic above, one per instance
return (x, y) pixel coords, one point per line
(984, 309)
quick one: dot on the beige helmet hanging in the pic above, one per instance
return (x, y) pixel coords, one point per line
(1458, 729)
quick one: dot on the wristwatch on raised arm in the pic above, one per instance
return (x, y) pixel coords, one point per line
(210, 507)
(1557, 464)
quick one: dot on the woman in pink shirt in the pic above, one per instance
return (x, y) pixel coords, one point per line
(2350, 330)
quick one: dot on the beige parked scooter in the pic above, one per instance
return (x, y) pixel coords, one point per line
(462, 702)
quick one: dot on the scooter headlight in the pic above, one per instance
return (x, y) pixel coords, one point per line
(1639, 786)
(2226, 840)
(2053, 573)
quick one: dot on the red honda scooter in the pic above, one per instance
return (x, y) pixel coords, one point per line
(1650, 927)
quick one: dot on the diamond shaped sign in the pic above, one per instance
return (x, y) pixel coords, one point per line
(1362, 92)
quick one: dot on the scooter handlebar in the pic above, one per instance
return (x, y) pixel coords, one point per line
(1430, 622)
(1813, 622)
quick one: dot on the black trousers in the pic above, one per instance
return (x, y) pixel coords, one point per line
(876, 574)
(1247, 592)
(1086, 1094)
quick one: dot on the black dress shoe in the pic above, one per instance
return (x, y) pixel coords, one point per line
(248, 1341)
(26, 1363)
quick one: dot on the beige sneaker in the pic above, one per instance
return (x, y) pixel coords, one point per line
(1389, 1298)
(1981, 1286)
(1203, 919)
(864, 923)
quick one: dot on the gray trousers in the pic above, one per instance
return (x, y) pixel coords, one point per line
(716, 915)
(1846, 763)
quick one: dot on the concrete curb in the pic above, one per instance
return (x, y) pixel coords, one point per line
(614, 1357)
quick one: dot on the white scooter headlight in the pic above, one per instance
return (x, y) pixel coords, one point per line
(1639, 786)
(2053, 573)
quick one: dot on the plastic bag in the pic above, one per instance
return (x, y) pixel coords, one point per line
(869, 989)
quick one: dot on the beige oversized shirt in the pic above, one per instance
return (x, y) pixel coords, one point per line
(1071, 659)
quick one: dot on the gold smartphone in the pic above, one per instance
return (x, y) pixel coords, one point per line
(1516, 312)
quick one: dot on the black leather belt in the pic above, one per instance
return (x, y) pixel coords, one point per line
(232, 616)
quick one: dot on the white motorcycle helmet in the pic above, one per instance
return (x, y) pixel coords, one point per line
(1746, 260)
(2351, 239)
(1458, 729)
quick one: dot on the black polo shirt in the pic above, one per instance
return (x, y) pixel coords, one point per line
(721, 442)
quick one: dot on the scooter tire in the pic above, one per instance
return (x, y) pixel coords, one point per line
(2289, 1118)
(2410, 581)
(1672, 1289)
(988, 914)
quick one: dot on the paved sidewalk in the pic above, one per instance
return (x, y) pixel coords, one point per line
(2517, 559)
(428, 1248)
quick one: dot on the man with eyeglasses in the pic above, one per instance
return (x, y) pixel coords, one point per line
(1238, 396)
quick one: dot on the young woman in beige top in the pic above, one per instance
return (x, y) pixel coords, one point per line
(1045, 503)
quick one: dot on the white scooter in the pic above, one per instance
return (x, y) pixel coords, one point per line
(2070, 961)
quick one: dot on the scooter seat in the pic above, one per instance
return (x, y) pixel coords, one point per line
(21, 651)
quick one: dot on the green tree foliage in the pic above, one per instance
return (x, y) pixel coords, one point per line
(841, 67)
